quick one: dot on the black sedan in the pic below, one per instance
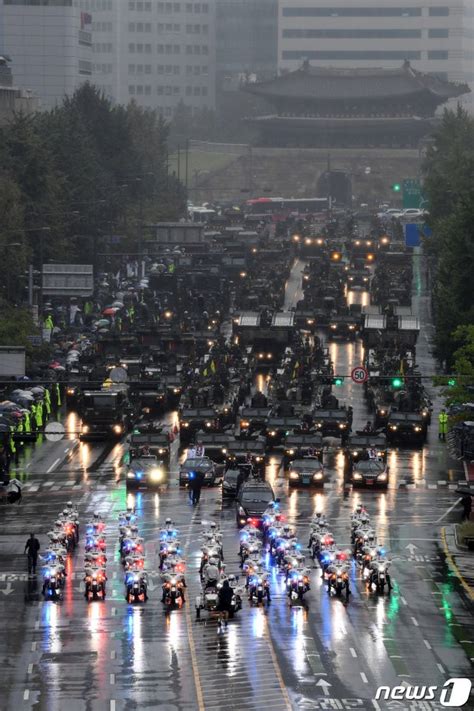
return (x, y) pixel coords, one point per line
(252, 501)
(306, 472)
(146, 471)
(369, 472)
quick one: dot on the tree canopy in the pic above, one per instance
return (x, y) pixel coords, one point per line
(449, 186)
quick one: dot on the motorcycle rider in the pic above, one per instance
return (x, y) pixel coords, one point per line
(338, 565)
(210, 574)
(224, 604)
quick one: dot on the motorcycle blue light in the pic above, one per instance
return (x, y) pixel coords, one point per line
(139, 475)
(298, 546)
(192, 475)
(382, 551)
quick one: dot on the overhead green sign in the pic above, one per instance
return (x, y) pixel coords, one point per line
(411, 191)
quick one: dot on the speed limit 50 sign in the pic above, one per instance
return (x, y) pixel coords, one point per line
(359, 375)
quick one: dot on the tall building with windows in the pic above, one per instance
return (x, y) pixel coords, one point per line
(246, 39)
(158, 53)
(50, 45)
(432, 34)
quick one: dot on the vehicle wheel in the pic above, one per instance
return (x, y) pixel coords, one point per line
(259, 598)
(198, 613)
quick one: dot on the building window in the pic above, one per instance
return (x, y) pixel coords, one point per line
(349, 55)
(176, 69)
(161, 69)
(351, 34)
(205, 7)
(438, 54)
(131, 89)
(131, 68)
(439, 11)
(176, 90)
(438, 33)
(352, 11)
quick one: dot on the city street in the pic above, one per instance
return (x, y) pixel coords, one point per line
(110, 655)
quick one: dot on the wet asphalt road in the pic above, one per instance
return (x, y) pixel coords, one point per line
(73, 655)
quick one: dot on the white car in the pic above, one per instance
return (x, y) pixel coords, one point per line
(391, 213)
(413, 213)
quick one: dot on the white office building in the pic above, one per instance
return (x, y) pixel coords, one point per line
(49, 44)
(434, 35)
(158, 53)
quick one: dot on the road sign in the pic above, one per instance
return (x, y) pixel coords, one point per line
(412, 195)
(68, 279)
(54, 431)
(359, 375)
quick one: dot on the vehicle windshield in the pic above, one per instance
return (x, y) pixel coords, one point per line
(144, 463)
(306, 464)
(203, 463)
(256, 495)
(369, 465)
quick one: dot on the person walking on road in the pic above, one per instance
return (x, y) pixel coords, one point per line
(443, 425)
(196, 485)
(466, 507)
(32, 546)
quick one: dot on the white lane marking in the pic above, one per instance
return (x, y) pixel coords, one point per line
(112, 704)
(66, 450)
(415, 621)
(113, 654)
(112, 679)
(403, 600)
(427, 644)
(353, 652)
(30, 669)
(364, 678)
(54, 464)
(449, 510)
(26, 695)
(114, 611)
(33, 646)
(441, 669)
(37, 625)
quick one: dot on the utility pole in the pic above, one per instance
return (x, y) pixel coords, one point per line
(187, 166)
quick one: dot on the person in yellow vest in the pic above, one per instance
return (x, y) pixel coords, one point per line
(443, 425)
(27, 424)
(58, 395)
(47, 402)
(34, 422)
(48, 322)
(39, 415)
(12, 447)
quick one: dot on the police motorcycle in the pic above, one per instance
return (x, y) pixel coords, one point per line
(236, 602)
(130, 543)
(252, 563)
(136, 585)
(327, 556)
(367, 554)
(173, 590)
(379, 574)
(171, 547)
(169, 531)
(316, 534)
(72, 514)
(292, 559)
(362, 536)
(209, 597)
(271, 517)
(337, 576)
(258, 587)
(297, 584)
(95, 579)
(134, 561)
(98, 522)
(359, 518)
(249, 540)
(53, 581)
(280, 534)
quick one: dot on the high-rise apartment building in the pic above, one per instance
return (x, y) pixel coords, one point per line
(50, 45)
(434, 35)
(158, 53)
(246, 39)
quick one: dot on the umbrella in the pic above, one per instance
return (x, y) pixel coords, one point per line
(103, 323)
(103, 330)
(110, 311)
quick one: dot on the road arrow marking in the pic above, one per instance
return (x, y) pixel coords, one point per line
(412, 548)
(324, 686)
(8, 589)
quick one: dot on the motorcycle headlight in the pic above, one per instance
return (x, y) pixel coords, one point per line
(393, 427)
(272, 433)
(258, 459)
(342, 426)
(156, 475)
(131, 475)
(417, 428)
(85, 428)
(117, 429)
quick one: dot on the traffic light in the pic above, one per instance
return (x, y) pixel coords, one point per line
(338, 381)
(452, 382)
(396, 383)
(396, 187)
